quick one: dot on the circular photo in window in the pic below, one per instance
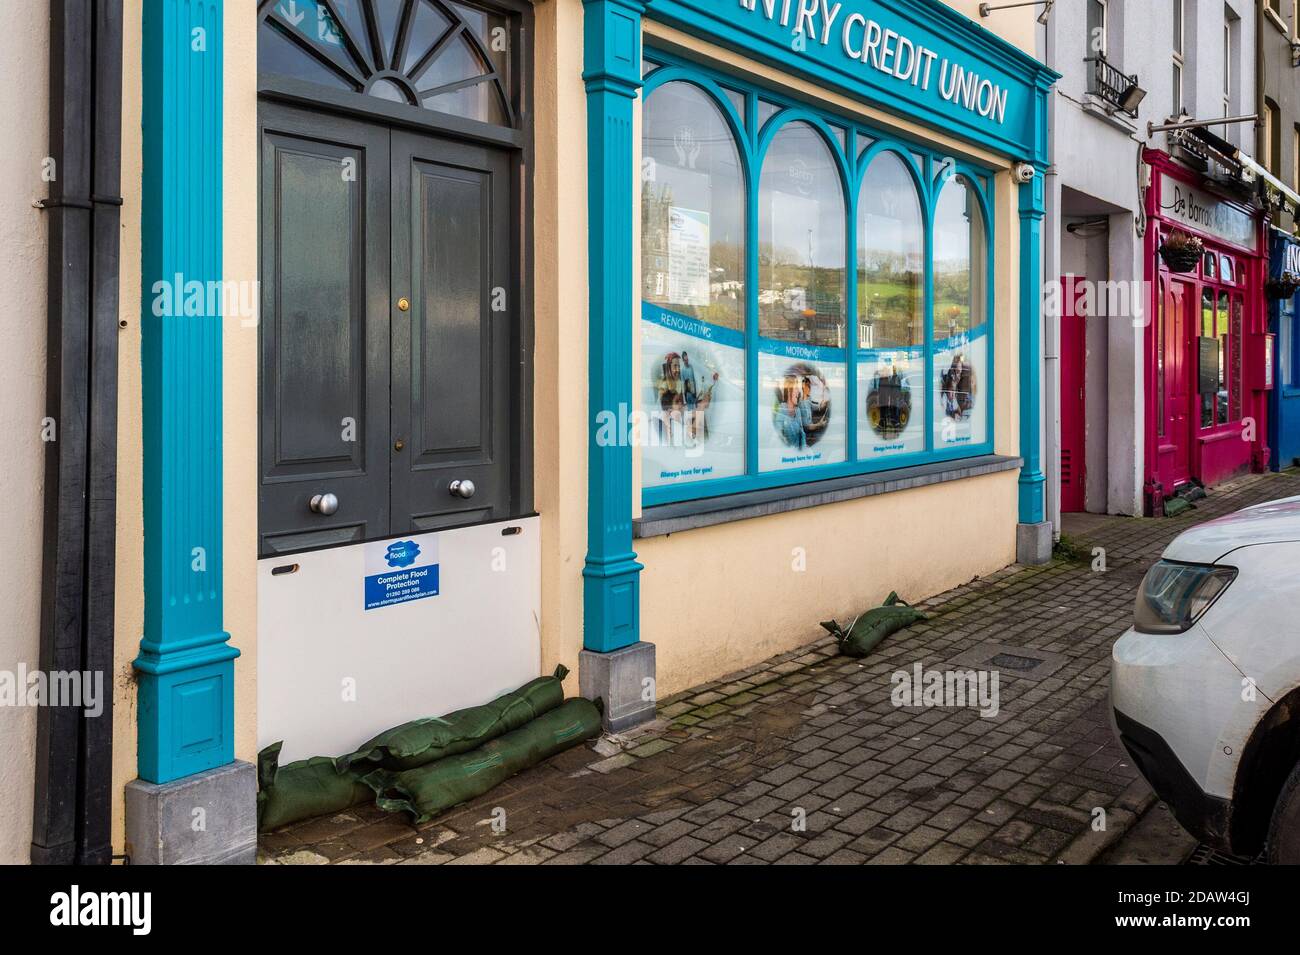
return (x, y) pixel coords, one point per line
(889, 403)
(802, 409)
(957, 388)
(684, 393)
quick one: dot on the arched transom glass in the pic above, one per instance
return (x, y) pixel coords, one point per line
(441, 55)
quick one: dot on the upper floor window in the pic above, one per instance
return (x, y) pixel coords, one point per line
(1097, 11)
(1272, 137)
(442, 55)
(1180, 63)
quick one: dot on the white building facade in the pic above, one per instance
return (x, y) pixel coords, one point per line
(1191, 58)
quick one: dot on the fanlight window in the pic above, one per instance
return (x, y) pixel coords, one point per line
(441, 55)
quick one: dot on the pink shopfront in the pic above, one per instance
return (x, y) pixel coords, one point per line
(1207, 345)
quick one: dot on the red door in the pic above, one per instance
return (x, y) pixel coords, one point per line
(1174, 387)
(1074, 346)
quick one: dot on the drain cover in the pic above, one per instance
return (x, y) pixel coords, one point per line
(1026, 663)
(1011, 661)
(1204, 855)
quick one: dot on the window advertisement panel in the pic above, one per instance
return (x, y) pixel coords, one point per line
(802, 395)
(891, 312)
(802, 414)
(961, 328)
(891, 386)
(693, 391)
(691, 399)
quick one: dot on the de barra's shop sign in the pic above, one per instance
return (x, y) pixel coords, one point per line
(1201, 211)
(915, 57)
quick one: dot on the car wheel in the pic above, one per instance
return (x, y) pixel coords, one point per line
(1284, 830)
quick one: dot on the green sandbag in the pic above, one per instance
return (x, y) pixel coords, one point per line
(429, 790)
(426, 740)
(873, 626)
(302, 790)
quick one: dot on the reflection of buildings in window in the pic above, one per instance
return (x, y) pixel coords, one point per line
(656, 201)
(891, 252)
(958, 261)
(802, 258)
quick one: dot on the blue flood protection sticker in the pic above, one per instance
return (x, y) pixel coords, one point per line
(400, 571)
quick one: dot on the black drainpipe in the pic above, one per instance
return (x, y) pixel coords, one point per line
(74, 756)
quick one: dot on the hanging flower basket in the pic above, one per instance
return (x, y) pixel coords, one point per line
(1282, 287)
(1182, 252)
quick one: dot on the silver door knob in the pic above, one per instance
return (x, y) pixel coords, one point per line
(325, 504)
(463, 489)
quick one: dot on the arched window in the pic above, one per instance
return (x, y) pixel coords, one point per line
(891, 257)
(802, 272)
(441, 55)
(961, 339)
(801, 255)
(692, 208)
(891, 310)
(692, 288)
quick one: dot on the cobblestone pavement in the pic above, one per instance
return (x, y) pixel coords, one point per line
(721, 777)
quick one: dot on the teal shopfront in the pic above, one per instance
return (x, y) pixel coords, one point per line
(816, 292)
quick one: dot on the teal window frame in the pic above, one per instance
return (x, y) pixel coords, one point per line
(661, 68)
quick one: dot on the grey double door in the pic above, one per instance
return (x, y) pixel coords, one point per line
(388, 314)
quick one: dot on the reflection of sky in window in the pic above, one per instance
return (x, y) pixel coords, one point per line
(689, 141)
(805, 205)
(952, 230)
(890, 231)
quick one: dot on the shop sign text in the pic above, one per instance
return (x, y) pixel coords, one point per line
(400, 571)
(1197, 210)
(877, 47)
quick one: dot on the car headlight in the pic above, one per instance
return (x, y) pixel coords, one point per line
(1173, 596)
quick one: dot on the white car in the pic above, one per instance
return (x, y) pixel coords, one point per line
(1205, 687)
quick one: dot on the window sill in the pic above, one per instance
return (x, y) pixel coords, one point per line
(668, 519)
(1108, 113)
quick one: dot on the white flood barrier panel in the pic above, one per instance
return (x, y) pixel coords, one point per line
(356, 639)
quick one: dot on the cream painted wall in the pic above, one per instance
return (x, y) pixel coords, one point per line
(239, 354)
(1015, 26)
(560, 321)
(720, 599)
(240, 399)
(128, 617)
(24, 114)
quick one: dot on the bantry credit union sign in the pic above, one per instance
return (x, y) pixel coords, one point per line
(918, 58)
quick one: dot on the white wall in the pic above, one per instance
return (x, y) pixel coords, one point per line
(24, 109)
(1096, 157)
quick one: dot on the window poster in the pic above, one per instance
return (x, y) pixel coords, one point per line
(802, 411)
(891, 392)
(688, 257)
(960, 364)
(692, 401)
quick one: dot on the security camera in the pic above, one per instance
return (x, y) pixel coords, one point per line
(1024, 173)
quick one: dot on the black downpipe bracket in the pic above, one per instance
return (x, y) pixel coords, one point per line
(73, 804)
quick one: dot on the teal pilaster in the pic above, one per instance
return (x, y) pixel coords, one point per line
(1032, 479)
(612, 73)
(185, 667)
